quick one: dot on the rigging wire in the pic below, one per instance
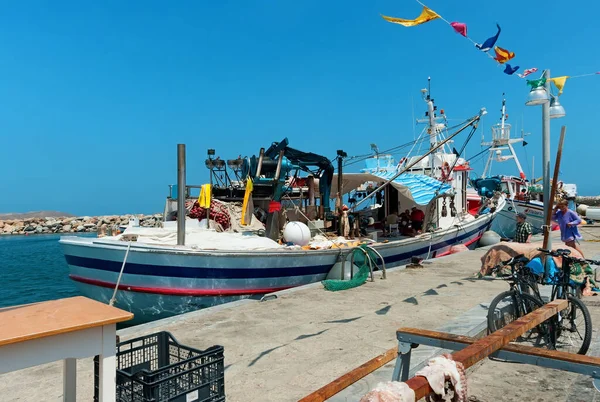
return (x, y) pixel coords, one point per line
(361, 158)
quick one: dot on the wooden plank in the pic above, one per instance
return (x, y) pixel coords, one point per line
(351, 377)
(32, 321)
(526, 350)
(491, 343)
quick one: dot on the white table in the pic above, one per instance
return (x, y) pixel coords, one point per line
(65, 329)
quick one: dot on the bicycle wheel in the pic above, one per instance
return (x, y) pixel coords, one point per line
(511, 305)
(573, 328)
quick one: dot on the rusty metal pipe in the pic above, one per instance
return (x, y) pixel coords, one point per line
(261, 155)
(181, 194)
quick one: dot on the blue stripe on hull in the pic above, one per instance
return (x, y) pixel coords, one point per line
(253, 273)
(193, 272)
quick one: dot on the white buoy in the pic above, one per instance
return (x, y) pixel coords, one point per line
(297, 233)
(489, 238)
(582, 209)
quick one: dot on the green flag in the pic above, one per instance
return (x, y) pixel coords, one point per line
(537, 83)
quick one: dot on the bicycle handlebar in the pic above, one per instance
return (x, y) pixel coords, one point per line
(516, 257)
(566, 254)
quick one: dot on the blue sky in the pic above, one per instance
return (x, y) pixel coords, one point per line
(94, 97)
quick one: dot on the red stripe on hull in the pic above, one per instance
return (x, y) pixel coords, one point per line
(177, 292)
(467, 244)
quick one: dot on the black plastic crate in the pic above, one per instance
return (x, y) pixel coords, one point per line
(156, 368)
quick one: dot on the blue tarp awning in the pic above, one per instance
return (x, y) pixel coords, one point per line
(415, 188)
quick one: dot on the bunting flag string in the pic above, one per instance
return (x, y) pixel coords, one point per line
(585, 75)
(502, 55)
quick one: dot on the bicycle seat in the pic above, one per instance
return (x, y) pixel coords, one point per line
(563, 251)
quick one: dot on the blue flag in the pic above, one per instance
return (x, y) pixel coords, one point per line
(510, 70)
(489, 42)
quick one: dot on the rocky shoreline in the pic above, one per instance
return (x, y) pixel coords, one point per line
(73, 224)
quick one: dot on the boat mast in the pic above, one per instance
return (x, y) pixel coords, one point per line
(431, 129)
(501, 141)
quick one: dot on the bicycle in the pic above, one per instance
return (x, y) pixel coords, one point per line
(524, 297)
(520, 300)
(573, 329)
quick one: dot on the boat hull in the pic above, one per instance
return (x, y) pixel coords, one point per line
(505, 222)
(163, 281)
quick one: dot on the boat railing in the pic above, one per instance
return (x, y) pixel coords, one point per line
(372, 263)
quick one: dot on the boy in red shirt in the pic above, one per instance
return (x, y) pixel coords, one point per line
(417, 217)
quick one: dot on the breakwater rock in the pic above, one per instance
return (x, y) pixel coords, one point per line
(592, 201)
(73, 224)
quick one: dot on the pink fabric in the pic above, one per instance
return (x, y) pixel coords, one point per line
(460, 28)
(391, 391)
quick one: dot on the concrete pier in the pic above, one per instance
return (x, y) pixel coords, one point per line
(285, 347)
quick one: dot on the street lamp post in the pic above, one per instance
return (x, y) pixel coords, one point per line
(546, 157)
(551, 109)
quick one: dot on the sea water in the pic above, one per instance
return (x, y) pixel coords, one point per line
(33, 269)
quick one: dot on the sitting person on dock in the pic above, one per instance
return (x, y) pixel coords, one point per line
(417, 217)
(524, 229)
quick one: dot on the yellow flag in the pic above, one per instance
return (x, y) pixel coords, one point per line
(560, 83)
(204, 197)
(426, 15)
(247, 205)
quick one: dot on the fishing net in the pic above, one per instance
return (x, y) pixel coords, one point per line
(362, 262)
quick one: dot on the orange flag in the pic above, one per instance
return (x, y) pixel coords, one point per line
(503, 55)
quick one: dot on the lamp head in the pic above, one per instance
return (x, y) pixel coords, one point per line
(537, 96)
(556, 109)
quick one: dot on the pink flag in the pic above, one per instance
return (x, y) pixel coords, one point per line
(527, 72)
(460, 28)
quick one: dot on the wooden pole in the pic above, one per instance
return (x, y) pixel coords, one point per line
(468, 356)
(550, 202)
(343, 382)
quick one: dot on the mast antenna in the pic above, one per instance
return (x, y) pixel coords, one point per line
(429, 86)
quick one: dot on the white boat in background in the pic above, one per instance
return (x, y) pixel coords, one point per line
(593, 213)
(160, 278)
(523, 196)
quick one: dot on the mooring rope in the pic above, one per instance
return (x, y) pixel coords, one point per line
(112, 299)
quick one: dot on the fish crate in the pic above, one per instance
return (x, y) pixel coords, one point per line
(156, 368)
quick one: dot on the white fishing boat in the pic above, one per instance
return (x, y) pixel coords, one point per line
(155, 277)
(522, 195)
